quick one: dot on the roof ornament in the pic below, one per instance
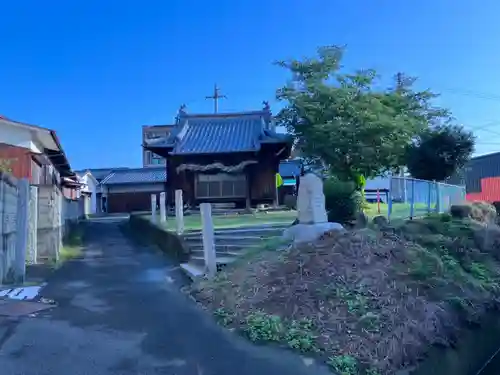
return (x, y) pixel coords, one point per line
(266, 105)
(182, 110)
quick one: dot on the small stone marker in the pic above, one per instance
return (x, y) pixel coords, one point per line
(312, 217)
(153, 208)
(179, 212)
(208, 239)
(163, 208)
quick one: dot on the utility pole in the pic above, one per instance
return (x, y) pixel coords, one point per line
(216, 96)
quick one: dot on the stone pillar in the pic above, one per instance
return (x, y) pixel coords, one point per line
(163, 208)
(22, 229)
(208, 239)
(153, 208)
(179, 212)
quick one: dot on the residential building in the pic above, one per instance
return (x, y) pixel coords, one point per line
(149, 132)
(128, 190)
(35, 153)
(223, 157)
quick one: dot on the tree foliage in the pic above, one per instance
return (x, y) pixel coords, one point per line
(439, 151)
(346, 122)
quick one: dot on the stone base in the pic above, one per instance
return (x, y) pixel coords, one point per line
(309, 232)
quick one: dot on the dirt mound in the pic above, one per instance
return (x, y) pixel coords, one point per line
(365, 301)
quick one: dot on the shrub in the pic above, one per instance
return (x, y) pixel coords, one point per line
(461, 211)
(497, 207)
(343, 202)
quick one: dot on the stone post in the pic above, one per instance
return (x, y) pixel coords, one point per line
(163, 208)
(22, 229)
(208, 239)
(179, 211)
(153, 208)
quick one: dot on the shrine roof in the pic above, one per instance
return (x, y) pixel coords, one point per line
(219, 133)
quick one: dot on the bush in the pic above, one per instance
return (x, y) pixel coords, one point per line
(497, 207)
(461, 211)
(342, 201)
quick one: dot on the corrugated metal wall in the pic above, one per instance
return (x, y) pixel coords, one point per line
(15, 160)
(479, 168)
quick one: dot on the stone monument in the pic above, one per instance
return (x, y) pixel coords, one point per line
(312, 217)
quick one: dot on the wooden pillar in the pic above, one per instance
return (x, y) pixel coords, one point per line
(249, 187)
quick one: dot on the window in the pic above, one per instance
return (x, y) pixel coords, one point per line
(221, 185)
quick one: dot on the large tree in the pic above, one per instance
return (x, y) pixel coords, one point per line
(346, 122)
(439, 152)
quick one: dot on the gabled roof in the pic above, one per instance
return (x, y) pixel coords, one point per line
(219, 133)
(47, 139)
(99, 173)
(136, 176)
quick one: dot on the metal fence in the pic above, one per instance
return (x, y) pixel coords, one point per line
(410, 198)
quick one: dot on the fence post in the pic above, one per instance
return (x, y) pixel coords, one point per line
(208, 239)
(389, 200)
(163, 211)
(153, 208)
(22, 226)
(429, 195)
(179, 211)
(438, 198)
(412, 199)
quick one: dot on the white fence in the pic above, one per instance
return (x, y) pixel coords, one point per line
(32, 224)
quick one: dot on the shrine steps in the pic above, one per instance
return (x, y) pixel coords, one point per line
(230, 244)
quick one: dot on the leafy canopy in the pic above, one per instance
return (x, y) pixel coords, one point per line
(439, 151)
(346, 122)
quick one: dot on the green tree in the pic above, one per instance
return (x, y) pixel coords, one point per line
(345, 122)
(439, 151)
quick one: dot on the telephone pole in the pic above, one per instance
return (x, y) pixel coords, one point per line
(216, 96)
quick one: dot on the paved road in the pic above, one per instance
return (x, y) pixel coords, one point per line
(120, 311)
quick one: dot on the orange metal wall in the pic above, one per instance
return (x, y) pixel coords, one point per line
(16, 160)
(490, 191)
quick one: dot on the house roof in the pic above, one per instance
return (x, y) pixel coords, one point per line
(219, 133)
(289, 168)
(49, 140)
(136, 176)
(99, 173)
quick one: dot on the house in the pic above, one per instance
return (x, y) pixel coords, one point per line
(35, 153)
(128, 190)
(149, 132)
(223, 157)
(89, 188)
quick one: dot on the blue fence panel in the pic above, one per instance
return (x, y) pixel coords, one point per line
(410, 197)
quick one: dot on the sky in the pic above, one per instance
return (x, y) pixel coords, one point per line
(96, 71)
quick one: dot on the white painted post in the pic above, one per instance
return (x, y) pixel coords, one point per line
(22, 226)
(208, 239)
(163, 208)
(153, 208)
(179, 211)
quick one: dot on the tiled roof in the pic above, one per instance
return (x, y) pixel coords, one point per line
(219, 133)
(99, 173)
(136, 176)
(289, 168)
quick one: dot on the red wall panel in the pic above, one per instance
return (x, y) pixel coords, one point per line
(15, 160)
(490, 191)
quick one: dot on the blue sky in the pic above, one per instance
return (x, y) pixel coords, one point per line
(95, 71)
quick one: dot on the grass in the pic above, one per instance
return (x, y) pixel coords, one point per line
(399, 210)
(72, 244)
(193, 222)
